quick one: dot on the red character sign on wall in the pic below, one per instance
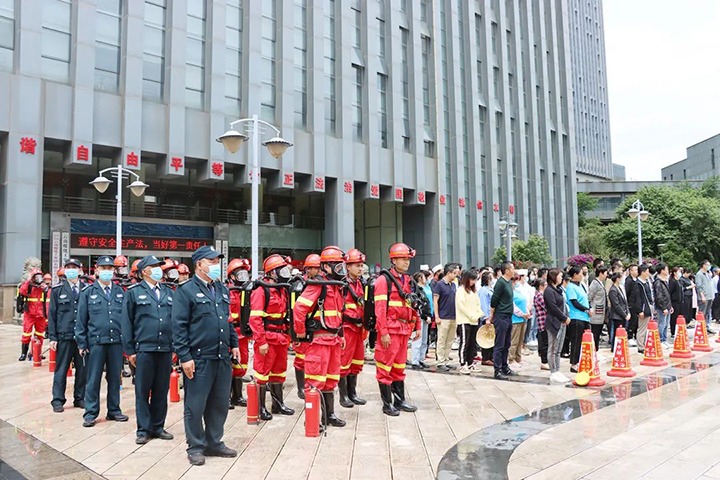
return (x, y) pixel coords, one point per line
(27, 145)
(132, 160)
(375, 191)
(176, 163)
(479, 204)
(319, 184)
(348, 187)
(83, 153)
(461, 202)
(217, 169)
(399, 194)
(511, 209)
(443, 200)
(496, 207)
(421, 197)
(288, 179)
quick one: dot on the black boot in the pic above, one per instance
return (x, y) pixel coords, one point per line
(387, 399)
(276, 392)
(352, 390)
(328, 411)
(23, 352)
(236, 397)
(264, 414)
(300, 379)
(398, 389)
(242, 401)
(343, 388)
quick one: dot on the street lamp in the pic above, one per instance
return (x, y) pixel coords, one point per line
(232, 140)
(661, 247)
(638, 211)
(137, 187)
(508, 228)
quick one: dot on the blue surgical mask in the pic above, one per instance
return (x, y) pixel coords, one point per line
(213, 271)
(72, 273)
(156, 273)
(105, 275)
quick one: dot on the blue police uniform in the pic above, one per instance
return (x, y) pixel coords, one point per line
(61, 329)
(201, 333)
(98, 329)
(147, 334)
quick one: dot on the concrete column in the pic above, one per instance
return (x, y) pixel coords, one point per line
(339, 215)
(175, 38)
(83, 75)
(131, 81)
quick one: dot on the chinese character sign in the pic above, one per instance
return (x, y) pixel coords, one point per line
(27, 145)
(399, 194)
(421, 198)
(374, 191)
(443, 200)
(288, 179)
(97, 241)
(348, 187)
(479, 205)
(511, 209)
(217, 169)
(319, 184)
(461, 202)
(132, 160)
(177, 164)
(496, 207)
(82, 153)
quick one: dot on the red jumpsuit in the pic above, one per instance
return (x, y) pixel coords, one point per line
(34, 317)
(353, 356)
(239, 370)
(396, 318)
(300, 349)
(269, 328)
(322, 360)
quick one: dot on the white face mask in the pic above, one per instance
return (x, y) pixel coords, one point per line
(242, 276)
(173, 275)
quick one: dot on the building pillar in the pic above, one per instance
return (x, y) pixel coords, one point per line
(339, 215)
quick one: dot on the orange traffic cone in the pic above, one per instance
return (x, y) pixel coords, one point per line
(681, 348)
(621, 357)
(700, 341)
(588, 363)
(653, 348)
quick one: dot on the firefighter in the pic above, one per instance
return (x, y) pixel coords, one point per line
(353, 356)
(170, 272)
(121, 270)
(183, 273)
(34, 291)
(396, 322)
(322, 360)
(47, 280)
(238, 273)
(61, 275)
(312, 268)
(271, 335)
(135, 276)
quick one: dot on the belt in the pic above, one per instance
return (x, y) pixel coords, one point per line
(354, 321)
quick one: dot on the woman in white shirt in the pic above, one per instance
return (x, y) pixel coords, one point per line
(467, 314)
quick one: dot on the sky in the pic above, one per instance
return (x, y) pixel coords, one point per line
(663, 66)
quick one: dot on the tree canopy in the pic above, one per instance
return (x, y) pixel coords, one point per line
(534, 251)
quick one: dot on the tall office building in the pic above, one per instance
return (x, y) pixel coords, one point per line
(589, 90)
(416, 120)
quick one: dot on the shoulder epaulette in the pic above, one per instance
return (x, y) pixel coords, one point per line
(129, 287)
(86, 287)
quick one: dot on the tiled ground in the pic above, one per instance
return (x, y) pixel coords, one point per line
(373, 446)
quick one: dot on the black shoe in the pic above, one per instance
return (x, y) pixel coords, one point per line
(573, 370)
(398, 389)
(278, 405)
(264, 414)
(499, 375)
(231, 406)
(22, 358)
(442, 368)
(196, 459)
(118, 418)
(126, 374)
(236, 396)
(164, 435)
(24, 347)
(300, 380)
(641, 351)
(58, 408)
(328, 411)
(223, 452)
(343, 389)
(352, 391)
(387, 399)
(89, 423)
(415, 366)
(142, 439)
(423, 365)
(509, 372)
(79, 404)
(564, 355)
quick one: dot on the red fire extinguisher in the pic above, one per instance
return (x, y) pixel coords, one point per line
(174, 386)
(253, 402)
(37, 353)
(312, 413)
(51, 362)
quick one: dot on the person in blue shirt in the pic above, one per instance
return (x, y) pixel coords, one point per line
(420, 346)
(521, 313)
(578, 305)
(485, 293)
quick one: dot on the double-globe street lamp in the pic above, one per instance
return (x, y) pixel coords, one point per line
(637, 210)
(508, 228)
(232, 140)
(137, 187)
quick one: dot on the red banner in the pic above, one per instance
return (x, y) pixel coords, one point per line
(100, 242)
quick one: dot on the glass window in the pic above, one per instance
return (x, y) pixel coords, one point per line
(358, 103)
(56, 40)
(107, 45)
(233, 57)
(300, 59)
(267, 60)
(404, 60)
(330, 34)
(154, 50)
(382, 109)
(195, 55)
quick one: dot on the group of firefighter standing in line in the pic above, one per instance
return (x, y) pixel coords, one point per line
(205, 326)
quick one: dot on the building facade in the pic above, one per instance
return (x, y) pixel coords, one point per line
(702, 162)
(423, 121)
(589, 90)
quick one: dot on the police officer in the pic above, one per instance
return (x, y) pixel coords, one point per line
(98, 335)
(147, 339)
(61, 333)
(203, 340)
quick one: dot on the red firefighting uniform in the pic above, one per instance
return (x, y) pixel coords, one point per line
(239, 369)
(300, 348)
(322, 360)
(269, 328)
(396, 318)
(353, 356)
(34, 317)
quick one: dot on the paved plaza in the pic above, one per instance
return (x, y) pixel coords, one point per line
(661, 425)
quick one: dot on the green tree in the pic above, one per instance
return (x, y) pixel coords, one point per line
(592, 239)
(534, 251)
(585, 203)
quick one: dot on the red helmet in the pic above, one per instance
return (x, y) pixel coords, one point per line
(120, 261)
(274, 261)
(61, 272)
(47, 276)
(238, 263)
(170, 264)
(183, 269)
(355, 256)
(401, 250)
(134, 267)
(332, 254)
(312, 261)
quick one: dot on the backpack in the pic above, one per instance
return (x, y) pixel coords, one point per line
(245, 292)
(312, 324)
(21, 303)
(416, 298)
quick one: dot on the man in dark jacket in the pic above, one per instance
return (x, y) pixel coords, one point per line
(642, 304)
(663, 301)
(631, 294)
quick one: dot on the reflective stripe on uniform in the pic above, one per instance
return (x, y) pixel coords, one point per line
(383, 366)
(333, 377)
(234, 315)
(305, 301)
(40, 334)
(257, 313)
(319, 378)
(395, 303)
(273, 374)
(300, 355)
(261, 377)
(33, 300)
(351, 305)
(27, 334)
(345, 367)
(328, 313)
(275, 315)
(379, 298)
(358, 362)
(398, 365)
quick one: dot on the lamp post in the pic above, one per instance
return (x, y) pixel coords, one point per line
(508, 228)
(638, 211)
(101, 184)
(232, 140)
(661, 247)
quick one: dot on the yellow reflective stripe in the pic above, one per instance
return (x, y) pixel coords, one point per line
(395, 303)
(383, 366)
(244, 365)
(273, 374)
(261, 377)
(351, 305)
(300, 355)
(305, 301)
(333, 377)
(275, 315)
(328, 313)
(319, 378)
(398, 365)
(234, 315)
(345, 367)
(379, 298)
(27, 334)
(33, 300)
(237, 367)
(358, 362)
(40, 334)
(257, 313)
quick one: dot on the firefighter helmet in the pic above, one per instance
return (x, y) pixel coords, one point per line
(134, 268)
(238, 263)
(354, 256)
(169, 264)
(120, 261)
(183, 269)
(312, 261)
(61, 272)
(332, 254)
(274, 261)
(47, 276)
(401, 250)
